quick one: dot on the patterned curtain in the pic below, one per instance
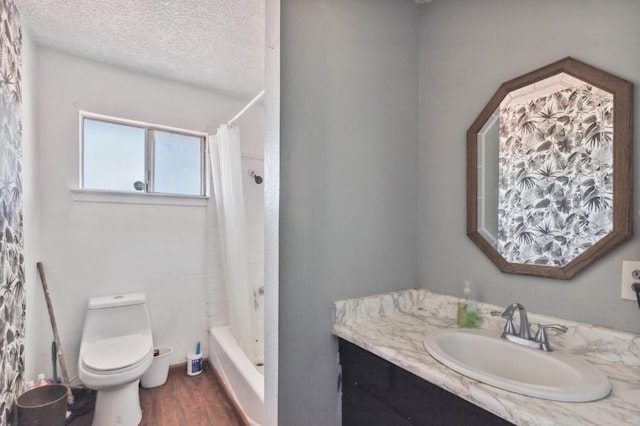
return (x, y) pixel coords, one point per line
(12, 290)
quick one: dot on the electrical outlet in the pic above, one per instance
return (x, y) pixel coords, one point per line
(630, 275)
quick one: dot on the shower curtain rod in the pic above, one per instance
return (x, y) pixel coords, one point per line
(243, 110)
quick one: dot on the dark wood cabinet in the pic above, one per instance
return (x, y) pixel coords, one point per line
(378, 393)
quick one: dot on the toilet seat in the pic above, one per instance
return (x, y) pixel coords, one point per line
(116, 353)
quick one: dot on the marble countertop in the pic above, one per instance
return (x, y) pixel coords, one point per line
(393, 326)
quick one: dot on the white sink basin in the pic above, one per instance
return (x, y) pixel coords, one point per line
(486, 357)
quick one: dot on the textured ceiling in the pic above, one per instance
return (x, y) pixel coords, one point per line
(216, 44)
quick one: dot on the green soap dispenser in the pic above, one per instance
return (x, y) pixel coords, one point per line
(472, 308)
(467, 309)
(462, 306)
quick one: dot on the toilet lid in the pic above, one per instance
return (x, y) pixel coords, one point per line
(116, 352)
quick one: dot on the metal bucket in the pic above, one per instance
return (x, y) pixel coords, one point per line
(44, 405)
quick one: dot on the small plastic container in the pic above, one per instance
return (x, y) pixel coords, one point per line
(157, 374)
(42, 381)
(194, 363)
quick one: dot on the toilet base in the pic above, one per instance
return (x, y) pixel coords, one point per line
(119, 405)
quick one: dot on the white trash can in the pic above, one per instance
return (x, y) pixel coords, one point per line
(157, 374)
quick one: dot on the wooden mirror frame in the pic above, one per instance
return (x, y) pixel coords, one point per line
(622, 91)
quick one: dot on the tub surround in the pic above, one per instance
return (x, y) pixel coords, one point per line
(393, 326)
(242, 380)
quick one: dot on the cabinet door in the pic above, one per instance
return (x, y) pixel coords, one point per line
(424, 403)
(360, 408)
(376, 392)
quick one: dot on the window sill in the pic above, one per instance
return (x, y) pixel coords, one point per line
(118, 197)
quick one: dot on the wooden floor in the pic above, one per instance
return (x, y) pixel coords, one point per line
(182, 400)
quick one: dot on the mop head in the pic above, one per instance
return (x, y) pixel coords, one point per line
(84, 403)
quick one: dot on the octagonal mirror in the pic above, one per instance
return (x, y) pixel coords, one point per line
(549, 170)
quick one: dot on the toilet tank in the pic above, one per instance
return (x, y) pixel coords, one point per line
(117, 301)
(118, 315)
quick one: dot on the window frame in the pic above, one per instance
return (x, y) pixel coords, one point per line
(149, 155)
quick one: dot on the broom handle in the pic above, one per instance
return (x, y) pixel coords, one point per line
(54, 326)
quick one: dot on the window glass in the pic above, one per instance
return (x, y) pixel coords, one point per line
(113, 155)
(177, 163)
(122, 155)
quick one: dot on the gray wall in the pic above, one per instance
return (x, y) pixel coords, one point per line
(349, 175)
(348, 224)
(468, 48)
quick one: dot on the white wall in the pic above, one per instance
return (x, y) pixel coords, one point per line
(254, 218)
(37, 325)
(91, 249)
(468, 48)
(251, 125)
(272, 210)
(349, 170)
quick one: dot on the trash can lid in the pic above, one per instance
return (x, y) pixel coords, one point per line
(117, 352)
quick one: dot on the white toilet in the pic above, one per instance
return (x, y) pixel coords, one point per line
(116, 349)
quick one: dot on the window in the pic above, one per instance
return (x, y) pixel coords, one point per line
(128, 156)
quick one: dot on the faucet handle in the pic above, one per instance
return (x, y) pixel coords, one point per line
(509, 328)
(541, 335)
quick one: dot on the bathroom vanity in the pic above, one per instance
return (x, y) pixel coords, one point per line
(378, 393)
(388, 377)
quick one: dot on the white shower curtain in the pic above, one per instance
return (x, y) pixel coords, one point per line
(226, 170)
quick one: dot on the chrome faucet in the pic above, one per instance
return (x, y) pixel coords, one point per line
(523, 337)
(524, 321)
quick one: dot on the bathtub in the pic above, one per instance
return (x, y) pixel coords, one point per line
(243, 381)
